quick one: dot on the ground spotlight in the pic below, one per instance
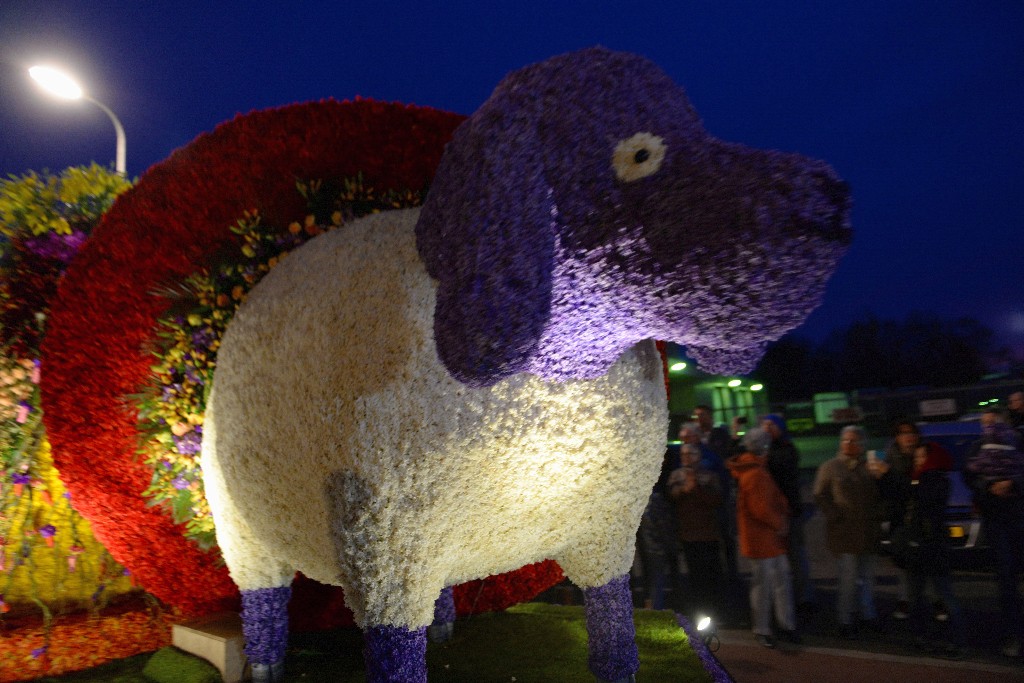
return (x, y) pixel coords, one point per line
(706, 631)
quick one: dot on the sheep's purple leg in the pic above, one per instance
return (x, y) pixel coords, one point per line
(394, 654)
(444, 617)
(265, 627)
(610, 631)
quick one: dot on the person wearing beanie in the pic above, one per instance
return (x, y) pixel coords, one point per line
(762, 517)
(784, 465)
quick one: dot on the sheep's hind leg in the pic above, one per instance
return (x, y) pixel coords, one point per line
(265, 626)
(610, 631)
(443, 627)
(394, 654)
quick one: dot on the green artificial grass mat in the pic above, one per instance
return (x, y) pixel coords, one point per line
(171, 665)
(528, 643)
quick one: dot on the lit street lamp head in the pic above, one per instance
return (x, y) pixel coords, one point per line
(56, 82)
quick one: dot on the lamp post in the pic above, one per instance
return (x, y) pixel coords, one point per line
(58, 83)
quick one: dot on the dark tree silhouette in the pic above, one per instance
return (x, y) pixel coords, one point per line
(922, 350)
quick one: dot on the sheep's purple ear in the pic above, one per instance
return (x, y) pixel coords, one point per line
(486, 234)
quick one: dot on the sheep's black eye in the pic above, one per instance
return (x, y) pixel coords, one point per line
(638, 156)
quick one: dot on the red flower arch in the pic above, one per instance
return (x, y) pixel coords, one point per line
(173, 221)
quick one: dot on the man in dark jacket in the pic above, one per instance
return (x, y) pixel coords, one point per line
(714, 437)
(995, 473)
(928, 561)
(784, 465)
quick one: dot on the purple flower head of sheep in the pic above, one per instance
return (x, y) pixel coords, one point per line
(584, 208)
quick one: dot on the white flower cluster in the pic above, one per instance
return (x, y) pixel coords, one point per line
(338, 445)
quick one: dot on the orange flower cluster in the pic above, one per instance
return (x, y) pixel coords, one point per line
(79, 642)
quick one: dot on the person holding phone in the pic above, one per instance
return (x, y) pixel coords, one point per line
(847, 493)
(697, 494)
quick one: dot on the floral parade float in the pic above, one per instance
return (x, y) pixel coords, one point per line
(429, 396)
(109, 321)
(49, 559)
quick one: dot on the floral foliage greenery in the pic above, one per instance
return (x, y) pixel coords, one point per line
(171, 415)
(48, 555)
(179, 216)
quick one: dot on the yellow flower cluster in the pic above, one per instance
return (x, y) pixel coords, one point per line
(34, 205)
(73, 571)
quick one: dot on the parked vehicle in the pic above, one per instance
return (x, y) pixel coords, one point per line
(962, 519)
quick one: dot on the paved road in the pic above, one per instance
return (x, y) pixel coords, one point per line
(748, 662)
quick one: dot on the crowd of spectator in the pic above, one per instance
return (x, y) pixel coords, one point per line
(737, 491)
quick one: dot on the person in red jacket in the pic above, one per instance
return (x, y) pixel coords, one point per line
(762, 518)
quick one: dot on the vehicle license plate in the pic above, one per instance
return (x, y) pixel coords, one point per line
(956, 532)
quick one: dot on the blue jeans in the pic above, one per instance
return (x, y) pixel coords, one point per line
(856, 579)
(771, 586)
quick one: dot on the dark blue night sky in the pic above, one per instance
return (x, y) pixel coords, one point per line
(919, 104)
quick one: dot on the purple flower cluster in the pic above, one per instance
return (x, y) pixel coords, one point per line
(610, 631)
(203, 338)
(444, 606)
(394, 654)
(265, 623)
(551, 259)
(189, 443)
(58, 247)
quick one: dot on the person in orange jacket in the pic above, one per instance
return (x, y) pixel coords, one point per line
(762, 517)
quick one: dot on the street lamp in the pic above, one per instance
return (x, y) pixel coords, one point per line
(58, 83)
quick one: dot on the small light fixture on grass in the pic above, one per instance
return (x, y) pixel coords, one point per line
(733, 383)
(706, 631)
(756, 387)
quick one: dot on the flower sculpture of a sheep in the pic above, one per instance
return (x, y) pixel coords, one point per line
(429, 396)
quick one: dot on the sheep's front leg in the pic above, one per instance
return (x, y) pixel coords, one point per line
(394, 654)
(444, 617)
(265, 626)
(610, 632)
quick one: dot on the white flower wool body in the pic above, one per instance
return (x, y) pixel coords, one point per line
(338, 445)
